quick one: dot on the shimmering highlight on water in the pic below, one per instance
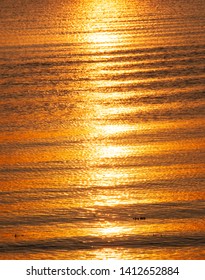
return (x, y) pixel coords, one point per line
(102, 129)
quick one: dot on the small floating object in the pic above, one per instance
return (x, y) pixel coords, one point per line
(18, 235)
(139, 218)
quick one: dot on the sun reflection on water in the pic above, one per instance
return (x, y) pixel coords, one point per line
(102, 38)
(99, 21)
(109, 230)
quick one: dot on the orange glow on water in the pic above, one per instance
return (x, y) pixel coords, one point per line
(101, 122)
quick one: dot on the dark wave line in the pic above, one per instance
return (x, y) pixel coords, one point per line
(164, 212)
(57, 47)
(93, 243)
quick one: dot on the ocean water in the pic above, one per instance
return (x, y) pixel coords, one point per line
(102, 129)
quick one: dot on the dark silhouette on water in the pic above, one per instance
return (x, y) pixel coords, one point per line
(16, 235)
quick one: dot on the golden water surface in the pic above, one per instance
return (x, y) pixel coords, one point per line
(102, 129)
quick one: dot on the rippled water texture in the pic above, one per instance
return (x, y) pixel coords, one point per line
(102, 129)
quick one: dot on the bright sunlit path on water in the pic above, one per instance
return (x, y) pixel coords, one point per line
(102, 129)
